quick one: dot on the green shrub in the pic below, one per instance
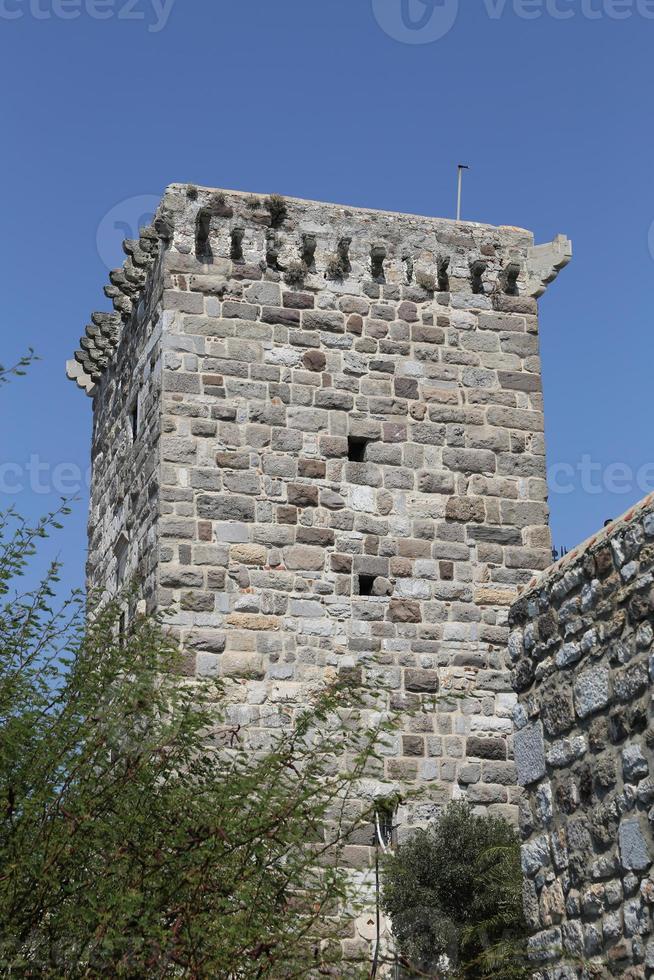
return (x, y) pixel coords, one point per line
(335, 268)
(277, 208)
(455, 891)
(140, 834)
(426, 280)
(133, 846)
(295, 274)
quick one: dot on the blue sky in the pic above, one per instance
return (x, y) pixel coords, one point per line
(358, 101)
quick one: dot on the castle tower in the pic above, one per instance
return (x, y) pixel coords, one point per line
(318, 433)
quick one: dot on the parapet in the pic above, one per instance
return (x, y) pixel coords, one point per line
(205, 230)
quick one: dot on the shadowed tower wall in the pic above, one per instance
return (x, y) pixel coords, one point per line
(318, 434)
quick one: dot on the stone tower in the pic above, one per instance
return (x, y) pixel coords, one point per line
(318, 433)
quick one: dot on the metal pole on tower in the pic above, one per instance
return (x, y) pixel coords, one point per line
(461, 168)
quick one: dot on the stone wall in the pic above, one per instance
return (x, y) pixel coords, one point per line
(348, 432)
(581, 646)
(124, 511)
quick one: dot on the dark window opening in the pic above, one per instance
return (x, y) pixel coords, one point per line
(343, 251)
(384, 820)
(122, 628)
(377, 256)
(202, 233)
(134, 421)
(477, 270)
(356, 448)
(443, 277)
(366, 583)
(309, 244)
(236, 251)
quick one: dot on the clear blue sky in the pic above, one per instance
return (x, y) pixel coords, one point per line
(318, 100)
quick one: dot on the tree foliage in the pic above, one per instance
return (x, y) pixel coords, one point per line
(18, 369)
(454, 895)
(140, 834)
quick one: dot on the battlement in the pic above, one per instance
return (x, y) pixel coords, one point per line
(305, 243)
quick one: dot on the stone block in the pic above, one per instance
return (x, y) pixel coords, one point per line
(210, 641)
(242, 665)
(486, 748)
(323, 320)
(302, 495)
(252, 621)
(181, 576)
(536, 855)
(592, 691)
(529, 753)
(421, 681)
(470, 460)
(207, 665)
(248, 554)
(635, 849)
(304, 557)
(468, 510)
(404, 611)
(634, 764)
(264, 294)
(557, 711)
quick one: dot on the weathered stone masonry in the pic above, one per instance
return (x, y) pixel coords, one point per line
(318, 433)
(584, 747)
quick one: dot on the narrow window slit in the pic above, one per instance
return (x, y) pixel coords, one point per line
(343, 251)
(477, 270)
(408, 269)
(272, 252)
(134, 421)
(202, 232)
(122, 629)
(384, 823)
(356, 448)
(443, 274)
(309, 244)
(377, 256)
(236, 252)
(366, 583)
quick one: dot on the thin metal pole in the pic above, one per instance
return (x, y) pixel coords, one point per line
(461, 168)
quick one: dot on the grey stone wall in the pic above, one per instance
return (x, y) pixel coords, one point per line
(581, 646)
(341, 453)
(124, 510)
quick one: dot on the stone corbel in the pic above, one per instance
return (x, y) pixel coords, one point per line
(75, 372)
(544, 262)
